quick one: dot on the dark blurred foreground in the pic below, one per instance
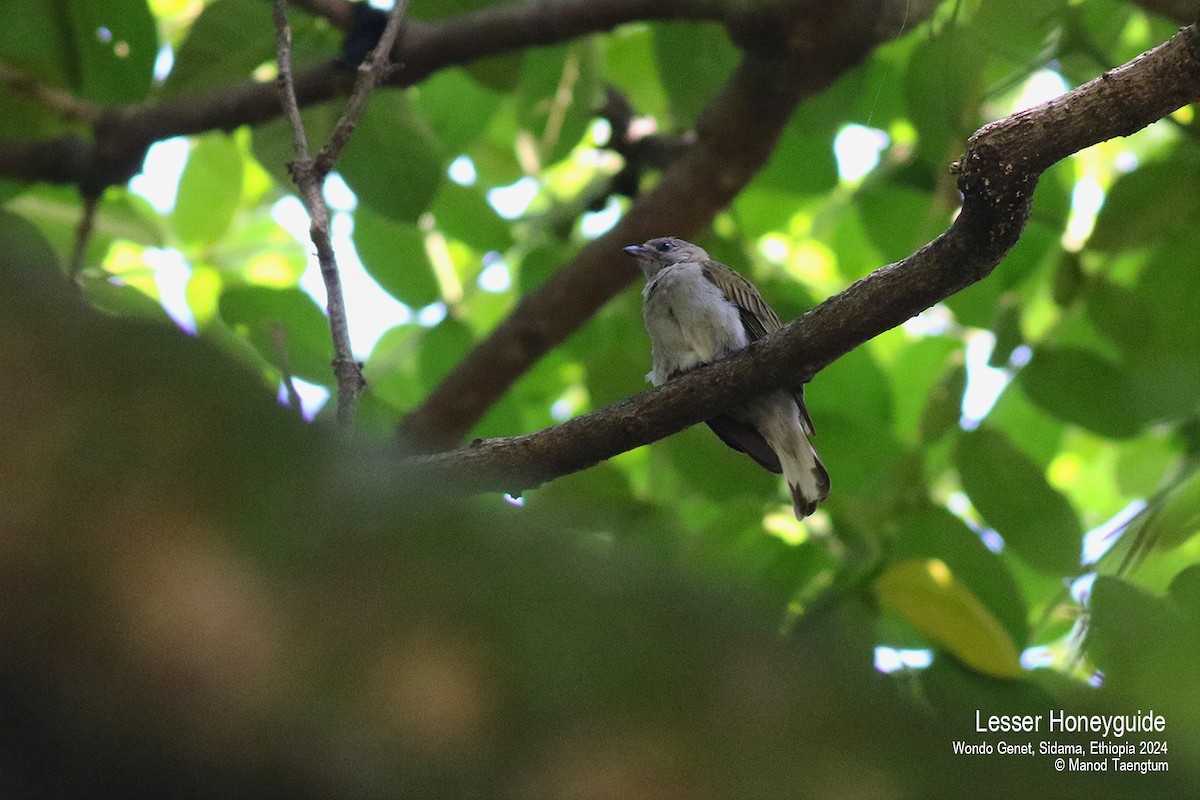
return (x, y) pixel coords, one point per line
(202, 597)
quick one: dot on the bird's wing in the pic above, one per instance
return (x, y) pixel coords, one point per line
(745, 438)
(757, 317)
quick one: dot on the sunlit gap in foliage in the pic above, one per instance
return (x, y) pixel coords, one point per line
(598, 223)
(891, 659)
(158, 181)
(511, 201)
(163, 63)
(985, 383)
(171, 275)
(462, 171)
(857, 149)
(1086, 199)
(1099, 540)
(960, 506)
(312, 397)
(495, 277)
(370, 311)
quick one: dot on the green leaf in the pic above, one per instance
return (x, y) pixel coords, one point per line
(232, 38)
(1146, 646)
(394, 255)
(117, 44)
(695, 59)
(457, 106)
(394, 163)
(285, 326)
(922, 368)
(272, 141)
(463, 213)
(630, 64)
(109, 294)
(1176, 517)
(1012, 495)
(943, 87)
(27, 259)
(441, 348)
(557, 96)
(210, 190)
(933, 599)
(391, 371)
(897, 218)
(1083, 387)
(1147, 204)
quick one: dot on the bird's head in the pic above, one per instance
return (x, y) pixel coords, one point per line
(663, 252)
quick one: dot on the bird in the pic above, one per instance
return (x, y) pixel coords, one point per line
(697, 311)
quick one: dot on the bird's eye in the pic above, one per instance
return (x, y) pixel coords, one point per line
(664, 247)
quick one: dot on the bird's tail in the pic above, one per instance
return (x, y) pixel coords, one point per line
(786, 428)
(806, 476)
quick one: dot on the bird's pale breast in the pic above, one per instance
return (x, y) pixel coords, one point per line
(689, 320)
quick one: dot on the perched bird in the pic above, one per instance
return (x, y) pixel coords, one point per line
(697, 311)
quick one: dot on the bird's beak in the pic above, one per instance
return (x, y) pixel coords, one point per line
(637, 251)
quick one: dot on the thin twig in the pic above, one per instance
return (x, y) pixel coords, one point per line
(83, 234)
(279, 339)
(996, 175)
(309, 175)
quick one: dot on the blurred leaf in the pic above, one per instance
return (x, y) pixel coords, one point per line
(232, 38)
(1175, 518)
(285, 326)
(463, 213)
(272, 141)
(109, 294)
(694, 60)
(394, 254)
(442, 347)
(557, 96)
(1147, 647)
(392, 370)
(943, 87)
(116, 44)
(1082, 387)
(933, 532)
(210, 190)
(898, 219)
(933, 599)
(943, 412)
(394, 163)
(630, 65)
(1012, 495)
(1147, 204)
(708, 466)
(921, 369)
(457, 106)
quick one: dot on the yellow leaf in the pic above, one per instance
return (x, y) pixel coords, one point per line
(926, 593)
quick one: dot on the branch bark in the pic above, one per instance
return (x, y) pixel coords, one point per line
(122, 134)
(997, 176)
(795, 55)
(310, 173)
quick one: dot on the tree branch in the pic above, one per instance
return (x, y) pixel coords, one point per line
(309, 174)
(997, 176)
(803, 54)
(123, 134)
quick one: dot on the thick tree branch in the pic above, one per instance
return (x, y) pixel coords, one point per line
(997, 176)
(803, 53)
(123, 134)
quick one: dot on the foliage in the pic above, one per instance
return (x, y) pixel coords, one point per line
(964, 517)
